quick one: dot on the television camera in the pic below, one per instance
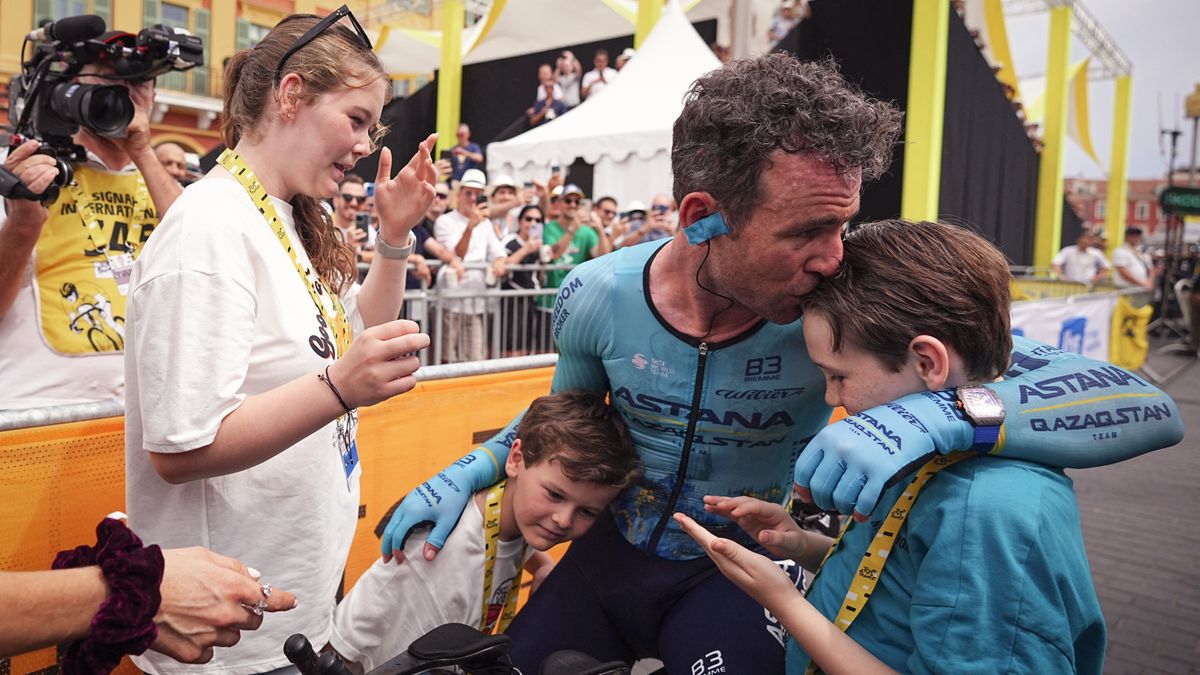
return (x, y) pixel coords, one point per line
(47, 103)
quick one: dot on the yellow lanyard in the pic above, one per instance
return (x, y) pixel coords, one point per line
(338, 323)
(870, 570)
(91, 223)
(491, 530)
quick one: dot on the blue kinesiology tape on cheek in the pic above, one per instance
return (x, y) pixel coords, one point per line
(708, 227)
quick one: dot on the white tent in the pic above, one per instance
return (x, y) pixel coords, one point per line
(625, 130)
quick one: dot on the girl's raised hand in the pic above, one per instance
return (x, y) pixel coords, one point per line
(402, 200)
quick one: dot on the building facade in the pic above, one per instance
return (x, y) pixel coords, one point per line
(1087, 196)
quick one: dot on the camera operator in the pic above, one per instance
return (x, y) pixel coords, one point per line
(62, 279)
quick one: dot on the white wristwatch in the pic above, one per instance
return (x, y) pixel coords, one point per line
(393, 252)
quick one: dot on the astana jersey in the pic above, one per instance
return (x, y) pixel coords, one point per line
(708, 418)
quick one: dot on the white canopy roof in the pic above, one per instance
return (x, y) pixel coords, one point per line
(624, 130)
(524, 26)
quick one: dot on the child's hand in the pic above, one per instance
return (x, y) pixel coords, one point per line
(769, 524)
(755, 574)
(539, 565)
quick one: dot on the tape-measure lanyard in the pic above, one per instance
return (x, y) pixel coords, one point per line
(338, 323)
(491, 530)
(347, 424)
(870, 569)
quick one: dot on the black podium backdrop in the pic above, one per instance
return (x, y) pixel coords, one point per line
(989, 167)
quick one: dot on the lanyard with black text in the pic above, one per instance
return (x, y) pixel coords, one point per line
(338, 323)
(491, 596)
(870, 570)
(346, 425)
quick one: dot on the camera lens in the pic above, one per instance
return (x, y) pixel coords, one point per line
(104, 108)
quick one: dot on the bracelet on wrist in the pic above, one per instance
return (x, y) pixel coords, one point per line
(383, 248)
(329, 382)
(125, 622)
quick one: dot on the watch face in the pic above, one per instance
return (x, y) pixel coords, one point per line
(981, 405)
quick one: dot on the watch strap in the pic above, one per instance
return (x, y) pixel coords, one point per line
(985, 438)
(395, 252)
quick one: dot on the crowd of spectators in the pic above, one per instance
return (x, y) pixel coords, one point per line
(475, 229)
(565, 85)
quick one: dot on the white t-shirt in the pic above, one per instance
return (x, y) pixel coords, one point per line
(1080, 265)
(217, 313)
(569, 84)
(393, 604)
(1134, 262)
(484, 247)
(592, 79)
(34, 374)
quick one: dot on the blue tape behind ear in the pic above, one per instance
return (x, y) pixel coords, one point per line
(712, 225)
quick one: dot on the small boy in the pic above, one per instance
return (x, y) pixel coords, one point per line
(979, 568)
(571, 457)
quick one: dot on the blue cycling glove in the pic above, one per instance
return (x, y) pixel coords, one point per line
(849, 463)
(440, 501)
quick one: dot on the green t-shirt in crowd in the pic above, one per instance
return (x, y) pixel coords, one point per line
(580, 250)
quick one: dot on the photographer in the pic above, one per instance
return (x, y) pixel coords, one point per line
(568, 72)
(65, 263)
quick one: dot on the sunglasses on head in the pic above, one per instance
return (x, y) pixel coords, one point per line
(320, 27)
(361, 199)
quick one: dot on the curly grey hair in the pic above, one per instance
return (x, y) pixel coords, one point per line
(734, 117)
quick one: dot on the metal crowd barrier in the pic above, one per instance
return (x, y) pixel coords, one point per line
(477, 325)
(80, 412)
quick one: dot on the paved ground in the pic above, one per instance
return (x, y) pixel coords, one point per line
(1141, 526)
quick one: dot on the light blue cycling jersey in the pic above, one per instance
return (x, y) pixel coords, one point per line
(719, 418)
(730, 418)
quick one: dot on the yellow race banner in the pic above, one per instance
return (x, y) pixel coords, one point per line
(1129, 345)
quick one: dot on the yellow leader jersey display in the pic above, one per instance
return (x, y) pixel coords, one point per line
(84, 257)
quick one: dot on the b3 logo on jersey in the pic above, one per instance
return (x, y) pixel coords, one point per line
(767, 368)
(712, 662)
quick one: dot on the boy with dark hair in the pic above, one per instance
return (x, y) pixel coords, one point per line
(571, 456)
(986, 572)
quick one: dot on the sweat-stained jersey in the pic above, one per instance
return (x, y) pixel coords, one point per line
(757, 399)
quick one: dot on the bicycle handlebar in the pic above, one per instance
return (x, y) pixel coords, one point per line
(452, 644)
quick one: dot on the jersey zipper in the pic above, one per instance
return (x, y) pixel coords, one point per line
(688, 438)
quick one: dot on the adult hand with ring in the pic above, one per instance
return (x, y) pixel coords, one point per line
(207, 600)
(259, 606)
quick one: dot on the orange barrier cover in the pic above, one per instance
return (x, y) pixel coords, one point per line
(61, 480)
